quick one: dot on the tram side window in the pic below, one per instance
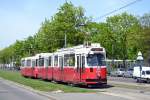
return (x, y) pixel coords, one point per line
(33, 63)
(41, 62)
(36, 62)
(46, 61)
(83, 62)
(78, 64)
(49, 62)
(28, 63)
(61, 62)
(23, 63)
(66, 57)
(56, 61)
(69, 60)
(72, 60)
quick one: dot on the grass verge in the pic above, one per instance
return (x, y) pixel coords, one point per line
(40, 84)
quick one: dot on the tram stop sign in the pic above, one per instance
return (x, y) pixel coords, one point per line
(140, 57)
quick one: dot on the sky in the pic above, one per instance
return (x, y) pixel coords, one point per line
(22, 18)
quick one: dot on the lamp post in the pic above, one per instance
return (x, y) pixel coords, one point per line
(140, 62)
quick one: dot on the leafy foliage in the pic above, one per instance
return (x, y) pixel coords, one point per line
(145, 23)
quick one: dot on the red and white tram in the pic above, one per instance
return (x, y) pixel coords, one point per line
(28, 65)
(83, 64)
(44, 67)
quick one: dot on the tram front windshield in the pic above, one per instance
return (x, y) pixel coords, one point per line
(96, 60)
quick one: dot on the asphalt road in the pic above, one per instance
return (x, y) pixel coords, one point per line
(121, 79)
(9, 91)
(86, 96)
(127, 93)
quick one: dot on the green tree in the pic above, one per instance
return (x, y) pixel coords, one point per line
(120, 35)
(66, 21)
(145, 23)
(124, 28)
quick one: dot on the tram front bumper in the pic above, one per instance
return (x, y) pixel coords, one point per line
(96, 81)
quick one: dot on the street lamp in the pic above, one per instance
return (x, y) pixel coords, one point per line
(140, 62)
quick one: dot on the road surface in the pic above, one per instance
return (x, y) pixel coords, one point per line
(121, 79)
(9, 91)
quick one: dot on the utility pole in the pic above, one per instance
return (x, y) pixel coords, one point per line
(113, 53)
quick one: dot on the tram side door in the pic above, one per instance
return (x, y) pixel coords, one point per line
(32, 69)
(61, 74)
(79, 67)
(46, 68)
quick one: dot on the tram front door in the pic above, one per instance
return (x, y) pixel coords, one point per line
(80, 67)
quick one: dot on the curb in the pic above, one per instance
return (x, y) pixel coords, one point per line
(42, 93)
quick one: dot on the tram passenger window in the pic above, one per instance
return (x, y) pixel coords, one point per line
(46, 62)
(33, 63)
(61, 62)
(78, 64)
(28, 63)
(83, 61)
(69, 60)
(41, 62)
(36, 63)
(72, 60)
(56, 61)
(49, 62)
(23, 63)
(66, 60)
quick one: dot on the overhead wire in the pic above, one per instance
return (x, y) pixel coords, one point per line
(113, 11)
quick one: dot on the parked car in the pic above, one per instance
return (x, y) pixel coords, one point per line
(128, 73)
(118, 72)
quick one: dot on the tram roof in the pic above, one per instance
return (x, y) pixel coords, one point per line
(79, 48)
(44, 54)
(75, 49)
(27, 58)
